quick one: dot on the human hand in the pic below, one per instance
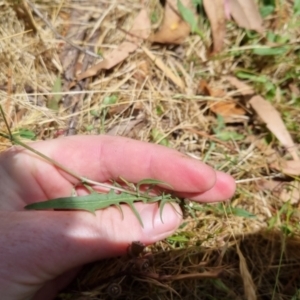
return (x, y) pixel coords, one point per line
(41, 251)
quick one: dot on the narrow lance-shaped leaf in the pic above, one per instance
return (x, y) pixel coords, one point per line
(166, 199)
(97, 201)
(90, 202)
(187, 15)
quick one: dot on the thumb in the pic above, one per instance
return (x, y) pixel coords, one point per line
(41, 245)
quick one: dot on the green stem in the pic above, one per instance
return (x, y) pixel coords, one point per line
(62, 167)
(67, 170)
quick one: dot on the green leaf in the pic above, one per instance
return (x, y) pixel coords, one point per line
(282, 39)
(97, 201)
(229, 136)
(166, 199)
(54, 100)
(240, 212)
(269, 51)
(159, 110)
(225, 135)
(154, 17)
(271, 36)
(90, 202)
(218, 283)
(26, 134)
(272, 222)
(158, 136)
(197, 2)
(277, 38)
(252, 77)
(178, 238)
(187, 16)
(267, 10)
(287, 229)
(297, 7)
(89, 127)
(221, 124)
(109, 100)
(95, 113)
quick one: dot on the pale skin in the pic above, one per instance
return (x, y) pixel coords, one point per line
(41, 251)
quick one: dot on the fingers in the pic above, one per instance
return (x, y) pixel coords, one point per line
(223, 190)
(104, 157)
(42, 245)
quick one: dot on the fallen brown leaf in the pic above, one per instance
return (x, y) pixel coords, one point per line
(242, 87)
(140, 31)
(270, 185)
(288, 167)
(273, 120)
(168, 72)
(216, 14)
(282, 190)
(246, 14)
(204, 88)
(228, 108)
(173, 29)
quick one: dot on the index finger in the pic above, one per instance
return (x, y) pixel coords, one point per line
(105, 157)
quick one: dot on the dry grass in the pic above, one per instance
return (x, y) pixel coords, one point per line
(151, 108)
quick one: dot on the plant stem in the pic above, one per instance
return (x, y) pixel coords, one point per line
(62, 167)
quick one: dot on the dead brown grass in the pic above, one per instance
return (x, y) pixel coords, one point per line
(255, 258)
(263, 254)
